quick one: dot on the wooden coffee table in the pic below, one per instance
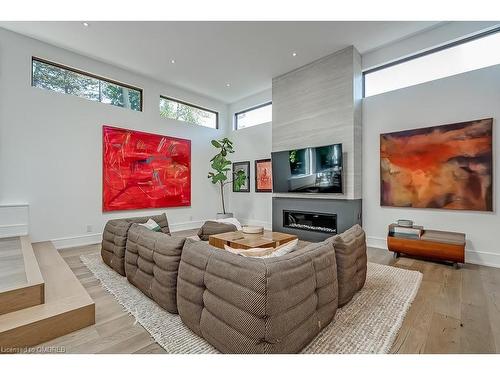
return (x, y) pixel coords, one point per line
(240, 240)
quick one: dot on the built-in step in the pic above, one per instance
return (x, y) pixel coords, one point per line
(67, 306)
(21, 281)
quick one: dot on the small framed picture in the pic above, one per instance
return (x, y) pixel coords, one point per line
(245, 167)
(263, 176)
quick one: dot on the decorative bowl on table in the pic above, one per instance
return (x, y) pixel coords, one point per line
(251, 229)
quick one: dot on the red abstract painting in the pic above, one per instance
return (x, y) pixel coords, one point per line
(143, 170)
(447, 166)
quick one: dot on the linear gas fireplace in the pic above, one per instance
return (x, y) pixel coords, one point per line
(310, 221)
(337, 215)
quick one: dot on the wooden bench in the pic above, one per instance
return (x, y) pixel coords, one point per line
(433, 244)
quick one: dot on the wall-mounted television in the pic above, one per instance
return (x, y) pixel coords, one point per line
(308, 170)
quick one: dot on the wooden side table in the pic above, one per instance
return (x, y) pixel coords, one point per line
(433, 244)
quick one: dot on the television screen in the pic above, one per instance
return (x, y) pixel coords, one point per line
(308, 170)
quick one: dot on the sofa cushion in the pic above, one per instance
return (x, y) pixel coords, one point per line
(151, 264)
(251, 305)
(231, 220)
(114, 238)
(213, 227)
(350, 252)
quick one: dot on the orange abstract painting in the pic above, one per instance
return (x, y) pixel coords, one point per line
(447, 166)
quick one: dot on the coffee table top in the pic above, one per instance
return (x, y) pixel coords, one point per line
(266, 239)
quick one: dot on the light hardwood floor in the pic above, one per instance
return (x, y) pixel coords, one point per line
(455, 311)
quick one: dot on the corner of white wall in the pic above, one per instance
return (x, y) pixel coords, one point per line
(251, 144)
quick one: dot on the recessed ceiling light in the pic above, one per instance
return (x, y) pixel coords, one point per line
(228, 85)
(172, 61)
(86, 24)
(294, 54)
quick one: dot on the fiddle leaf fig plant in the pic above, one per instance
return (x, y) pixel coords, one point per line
(221, 165)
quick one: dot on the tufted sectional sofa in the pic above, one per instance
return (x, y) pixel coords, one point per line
(114, 239)
(251, 305)
(241, 304)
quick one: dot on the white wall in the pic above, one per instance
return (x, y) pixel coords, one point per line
(50, 145)
(14, 220)
(468, 96)
(251, 144)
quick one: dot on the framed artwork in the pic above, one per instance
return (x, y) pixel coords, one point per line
(263, 176)
(447, 167)
(245, 167)
(144, 170)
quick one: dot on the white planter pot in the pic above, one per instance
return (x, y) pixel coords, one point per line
(224, 216)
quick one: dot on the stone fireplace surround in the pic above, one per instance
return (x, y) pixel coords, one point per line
(317, 105)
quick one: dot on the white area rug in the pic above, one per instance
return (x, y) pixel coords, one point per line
(367, 324)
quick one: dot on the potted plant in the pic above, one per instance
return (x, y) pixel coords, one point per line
(221, 166)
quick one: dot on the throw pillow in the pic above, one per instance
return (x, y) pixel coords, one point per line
(152, 225)
(267, 252)
(214, 227)
(286, 248)
(254, 252)
(231, 220)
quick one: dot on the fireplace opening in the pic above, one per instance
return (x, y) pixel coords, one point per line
(311, 221)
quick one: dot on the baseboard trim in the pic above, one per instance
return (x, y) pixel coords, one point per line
(84, 240)
(95, 238)
(482, 258)
(26, 205)
(12, 230)
(186, 225)
(377, 242)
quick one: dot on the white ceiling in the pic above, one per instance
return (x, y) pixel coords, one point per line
(210, 54)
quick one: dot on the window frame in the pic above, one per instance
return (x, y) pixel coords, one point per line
(249, 110)
(194, 106)
(428, 52)
(90, 75)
